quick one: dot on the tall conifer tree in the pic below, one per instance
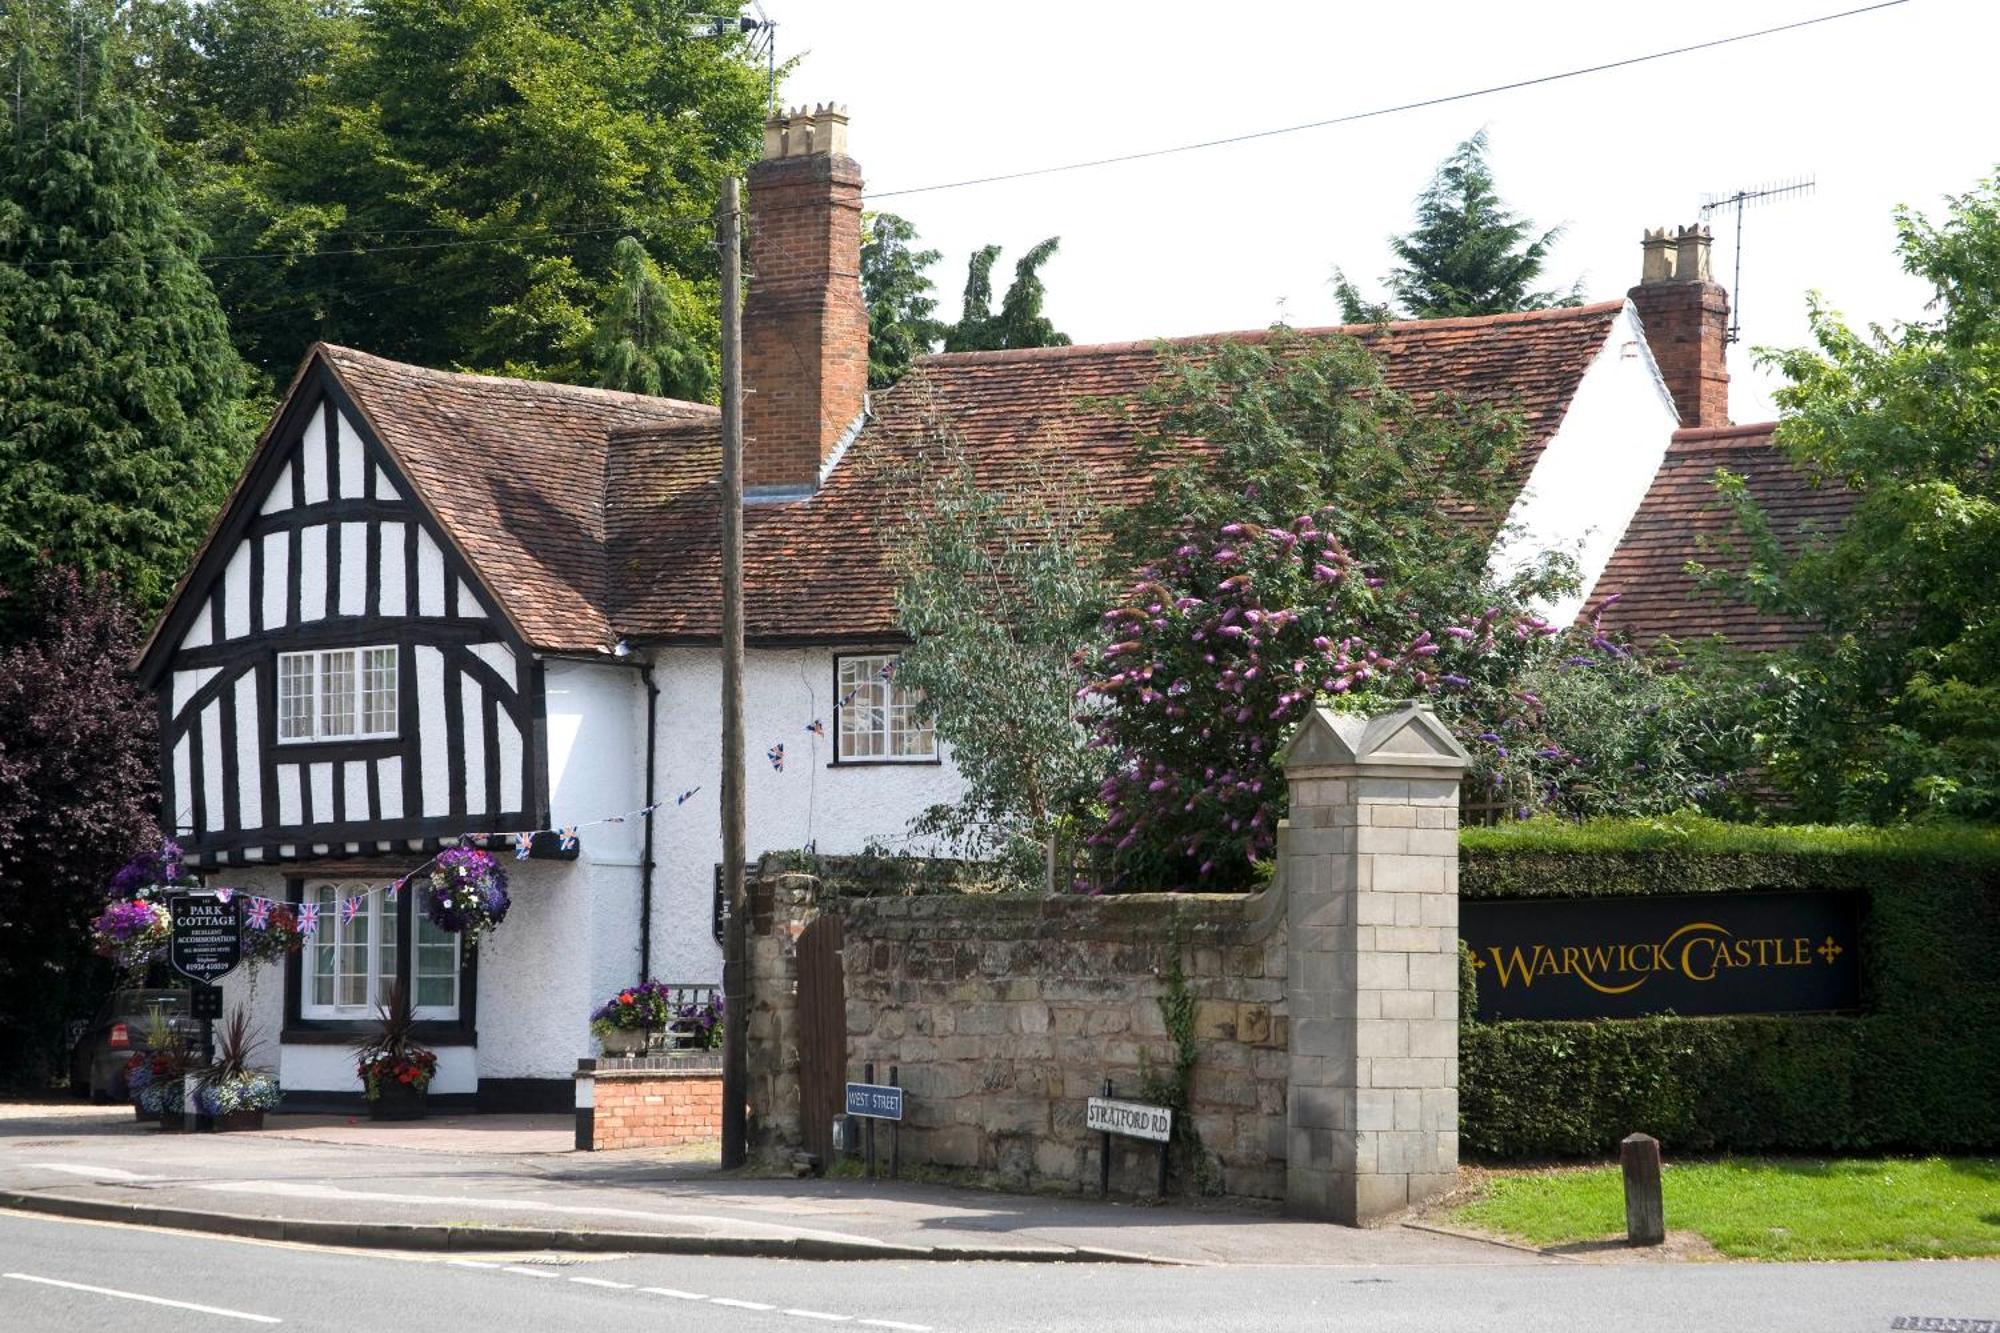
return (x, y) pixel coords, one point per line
(121, 399)
(1467, 255)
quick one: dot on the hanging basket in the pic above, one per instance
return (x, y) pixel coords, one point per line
(467, 894)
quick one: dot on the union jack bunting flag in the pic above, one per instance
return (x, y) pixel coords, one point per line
(776, 754)
(888, 670)
(224, 895)
(308, 919)
(349, 909)
(567, 838)
(523, 844)
(682, 799)
(848, 697)
(395, 887)
(816, 727)
(259, 913)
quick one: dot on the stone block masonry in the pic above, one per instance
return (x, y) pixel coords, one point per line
(1371, 865)
(1323, 1010)
(657, 1101)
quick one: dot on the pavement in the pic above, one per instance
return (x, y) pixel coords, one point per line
(472, 1183)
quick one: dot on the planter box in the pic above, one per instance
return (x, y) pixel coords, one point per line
(143, 1116)
(399, 1101)
(175, 1122)
(239, 1120)
(625, 1041)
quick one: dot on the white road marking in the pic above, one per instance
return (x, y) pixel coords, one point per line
(602, 1282)
(472, 1263)
(739, 1305)
(677, 1295)
(149, 1300)
(702, 1223)
(818, 1314)
(95, 1172)
(529, 1272)
(890, 1323)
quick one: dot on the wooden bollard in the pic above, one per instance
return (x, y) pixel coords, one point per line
(1645, 1211)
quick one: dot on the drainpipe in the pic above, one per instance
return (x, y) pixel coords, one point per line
(646, 859)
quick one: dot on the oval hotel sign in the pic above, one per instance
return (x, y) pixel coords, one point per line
(1715, 953)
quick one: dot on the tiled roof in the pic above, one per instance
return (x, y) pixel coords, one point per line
(815, 568)
(515, 471)
(1681, 511)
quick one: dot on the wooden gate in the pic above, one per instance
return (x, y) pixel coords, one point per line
(822, 1034)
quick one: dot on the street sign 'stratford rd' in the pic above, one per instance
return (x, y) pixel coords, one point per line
(1136, 1119)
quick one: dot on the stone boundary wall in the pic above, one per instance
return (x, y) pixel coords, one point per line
(648, 1101)
(1003, 1014)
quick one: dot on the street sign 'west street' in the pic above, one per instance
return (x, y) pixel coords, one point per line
(1138, 1120)
(877, 1101)
(208, 936)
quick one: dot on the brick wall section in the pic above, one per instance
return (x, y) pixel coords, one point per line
(651, 1102)
(805, 324)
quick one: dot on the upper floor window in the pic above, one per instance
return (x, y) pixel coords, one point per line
(877, 717)
(338, 694)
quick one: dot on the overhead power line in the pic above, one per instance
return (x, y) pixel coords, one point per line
(1379, 112)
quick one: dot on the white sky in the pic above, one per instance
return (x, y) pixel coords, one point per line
(1891, 107)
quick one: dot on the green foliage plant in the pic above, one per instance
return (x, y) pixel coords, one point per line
(1020, 321)
(1891, 709)
(657, 333)
(996, 588)
(902, 312)
(1468, 254)
(121, 422)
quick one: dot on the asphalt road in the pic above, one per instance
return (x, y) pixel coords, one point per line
(57, 1275)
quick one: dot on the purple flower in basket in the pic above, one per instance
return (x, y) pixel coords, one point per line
(156, 865)
(467, 892)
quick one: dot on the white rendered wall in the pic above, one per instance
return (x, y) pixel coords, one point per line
(578, 922)
(1596, 468)
(840, 809)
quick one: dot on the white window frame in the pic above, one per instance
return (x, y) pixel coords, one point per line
(324, 668)
(878, 725)
(377, 911)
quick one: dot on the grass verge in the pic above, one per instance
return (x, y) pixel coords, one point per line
(1768, 1208)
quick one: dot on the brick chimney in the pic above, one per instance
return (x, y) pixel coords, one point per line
(1686, 318)
(805, 324)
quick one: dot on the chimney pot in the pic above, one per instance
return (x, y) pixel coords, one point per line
(1659, 253)
(1691, 261)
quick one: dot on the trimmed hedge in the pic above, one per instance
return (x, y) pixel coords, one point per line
(1918, 1070)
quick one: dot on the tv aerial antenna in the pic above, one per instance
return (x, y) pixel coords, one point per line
(760, 33)
(1737, 202)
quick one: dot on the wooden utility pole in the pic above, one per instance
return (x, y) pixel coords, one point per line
(736, 952)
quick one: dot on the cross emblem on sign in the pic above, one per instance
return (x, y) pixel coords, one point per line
(1478, 963)
(1829, 950)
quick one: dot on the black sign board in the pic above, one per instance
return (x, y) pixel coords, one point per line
(1718, 953)
(208, 936)
(206, 1003)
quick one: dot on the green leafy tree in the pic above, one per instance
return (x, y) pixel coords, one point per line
(121, 418)
(1020, 321)
(656, 333)
(1468, 254)
(450, 182)
(1892, 710)
(996, 590)
(902, 320)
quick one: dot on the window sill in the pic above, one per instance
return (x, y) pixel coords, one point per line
(349, 1031)
(934, 761)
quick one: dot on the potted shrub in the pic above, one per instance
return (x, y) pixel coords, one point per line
(166, 1098)
(624, 1024)
(161, 1060)
(232, 1094)
(467, 893)
(395, 1071)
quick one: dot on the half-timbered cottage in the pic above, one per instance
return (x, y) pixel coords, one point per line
(442, 607)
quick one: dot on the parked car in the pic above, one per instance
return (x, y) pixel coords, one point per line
(97, 1060)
